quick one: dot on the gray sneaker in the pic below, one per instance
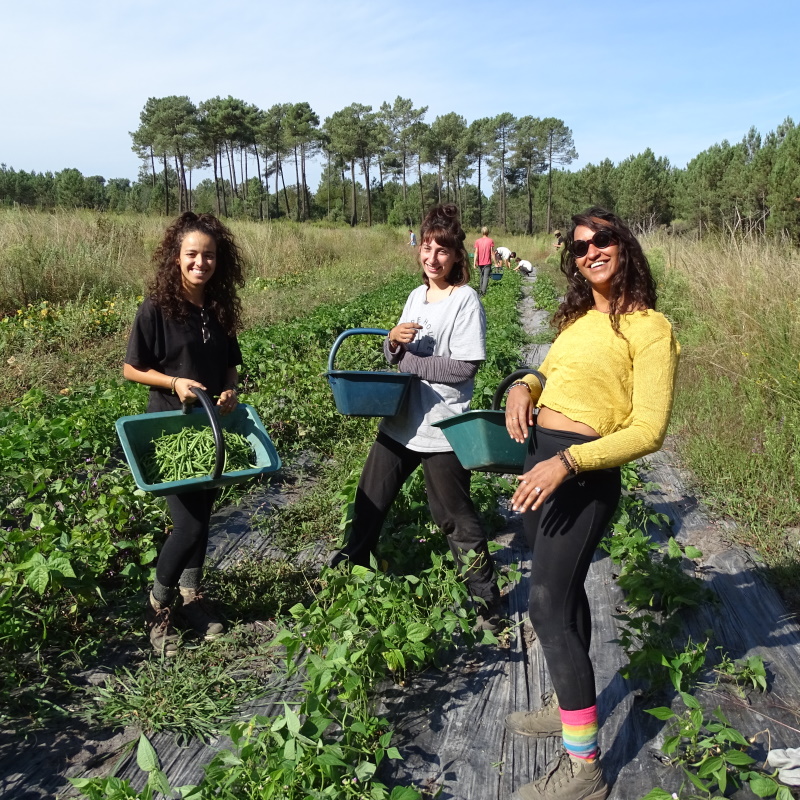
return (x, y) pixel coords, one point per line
(567, 778)
(539, 724)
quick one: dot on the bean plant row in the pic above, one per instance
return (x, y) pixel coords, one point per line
(710, 752)
(71, 500)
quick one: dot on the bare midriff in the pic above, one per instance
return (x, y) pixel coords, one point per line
(556, 421)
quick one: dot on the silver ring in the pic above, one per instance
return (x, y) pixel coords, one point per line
(537, 489)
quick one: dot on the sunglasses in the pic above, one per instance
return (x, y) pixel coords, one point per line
(602, 239)
(204, 325)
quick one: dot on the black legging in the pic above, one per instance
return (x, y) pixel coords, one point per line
(563, 535)
(185, 547)
(447, 484)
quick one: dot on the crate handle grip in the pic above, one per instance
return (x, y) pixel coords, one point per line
(514, 376)
(352, 332)
(216, 429)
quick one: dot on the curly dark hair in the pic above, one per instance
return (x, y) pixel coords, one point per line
(632, 284)
(166, 289)
(443, 224)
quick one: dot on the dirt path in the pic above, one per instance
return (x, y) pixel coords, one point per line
(450, 724)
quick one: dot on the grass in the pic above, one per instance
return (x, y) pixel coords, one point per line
(87, 272)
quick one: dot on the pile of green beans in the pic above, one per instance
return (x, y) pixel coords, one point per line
(191, 453)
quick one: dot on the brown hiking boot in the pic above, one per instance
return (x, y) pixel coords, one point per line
(567, 778)
(164, 639)
(539, 724)
(199, 615)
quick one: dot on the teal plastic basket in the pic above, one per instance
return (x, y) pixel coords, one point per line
(136, 433)
(365, 393)
(480, 439)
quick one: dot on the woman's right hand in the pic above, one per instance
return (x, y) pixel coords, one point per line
(519, 413)
(182, 386)
(403, 333)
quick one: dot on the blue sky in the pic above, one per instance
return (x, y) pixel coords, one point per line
(676, 77)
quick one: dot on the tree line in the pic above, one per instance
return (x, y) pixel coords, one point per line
(389, 165)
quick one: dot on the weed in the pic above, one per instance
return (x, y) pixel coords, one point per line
(192, 694)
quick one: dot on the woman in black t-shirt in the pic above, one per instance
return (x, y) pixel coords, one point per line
(184, 335)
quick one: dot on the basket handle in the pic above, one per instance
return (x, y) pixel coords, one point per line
(514, 376)
(216, 428)
(352, 332)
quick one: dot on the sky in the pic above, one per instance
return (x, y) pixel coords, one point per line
(676, 77)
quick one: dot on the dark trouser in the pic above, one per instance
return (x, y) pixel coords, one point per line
(486, 271)
(185, 547)
(563, 535)
(387, 468)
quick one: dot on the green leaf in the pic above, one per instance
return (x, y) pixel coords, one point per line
(365, 770)
(738, 758)
(330, 760)
(146, 756)
(707, 768)
(405, 793)
(662, 712)
(763, 786)
(38, 578)
(292, 720)
(657, 794)
(417, 632)
(693, 552)
(696, 781)
(158, 780)
(689, 701)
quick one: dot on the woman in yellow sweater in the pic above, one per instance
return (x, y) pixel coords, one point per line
(608, 397)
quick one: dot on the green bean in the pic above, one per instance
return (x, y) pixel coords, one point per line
(191, 453)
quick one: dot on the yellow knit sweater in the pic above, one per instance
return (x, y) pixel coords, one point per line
(620, 387)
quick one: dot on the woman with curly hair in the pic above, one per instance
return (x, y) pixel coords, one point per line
(441, 338)
(608, 398)
(184, 336)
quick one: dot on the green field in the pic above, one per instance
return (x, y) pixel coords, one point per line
(79, 542)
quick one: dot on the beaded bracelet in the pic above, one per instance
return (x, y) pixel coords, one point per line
(571, 468)
(519, 383)
(172, 384)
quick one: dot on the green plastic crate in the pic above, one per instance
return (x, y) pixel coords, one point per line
(137, 432)
(480, 439)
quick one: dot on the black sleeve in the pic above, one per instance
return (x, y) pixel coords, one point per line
(146, 341)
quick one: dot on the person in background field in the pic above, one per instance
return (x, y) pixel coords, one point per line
(503, 257)
(523, 266)
(610, 381)
(183, 336)
(559, 239)
(441, 338)
(412, 238)
(484, 247)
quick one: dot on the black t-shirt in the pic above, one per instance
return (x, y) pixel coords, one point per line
(176, 348)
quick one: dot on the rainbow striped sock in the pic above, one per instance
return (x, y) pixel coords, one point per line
(580, 732)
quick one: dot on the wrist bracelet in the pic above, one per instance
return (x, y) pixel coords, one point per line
(172, 385)
(571, 468)
(519, 383)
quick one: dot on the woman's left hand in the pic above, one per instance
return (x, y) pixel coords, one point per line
(536, 485)
(228, 400)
